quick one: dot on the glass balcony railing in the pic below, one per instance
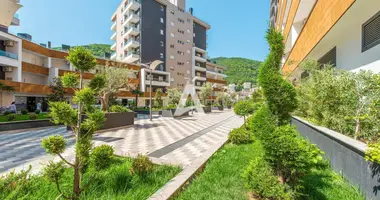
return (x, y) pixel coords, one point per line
(113, 54)
(132, 2)
(133, 53)
(16, 16)
(8, 54)
(129, 41)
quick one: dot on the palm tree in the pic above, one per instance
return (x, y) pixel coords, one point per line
(3, 88)
(137, 93)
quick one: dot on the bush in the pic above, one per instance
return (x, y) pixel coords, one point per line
(16, 185)
(373, 153)
(101, 156)
(119, 109)
(171, 107)
(6, 113)
(32, 116)
(290, 155)
(37, 111)
(244, 108)
(24, 111)
(261, 180)
(11, 117)
(240, 136)
(262, 123)
(142, 165)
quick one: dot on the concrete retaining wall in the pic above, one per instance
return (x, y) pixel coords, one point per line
(17, 125)
(346, 156)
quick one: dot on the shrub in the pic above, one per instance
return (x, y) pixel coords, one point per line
(32, 116)
(240, 136)
(37, 111)
(261, 180)
(101, 156)
(290, 155)
(24, 111)
(11, 117)
(171, 107)
(373, 153)
(119, 109)
(6, 113)
(262, 123)
(16, 185)
(244, 108)
(142, 165)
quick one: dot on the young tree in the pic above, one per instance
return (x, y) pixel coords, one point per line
(57, 89)
(107, 81)
(158, 102)
(63, 113)
(244, 108)
(174, 96)
(205, 93)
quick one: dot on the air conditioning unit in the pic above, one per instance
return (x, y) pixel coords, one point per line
(9, 43)
(7, 69)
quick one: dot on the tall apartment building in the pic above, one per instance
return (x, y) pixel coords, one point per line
(345, 33)
(149, 30)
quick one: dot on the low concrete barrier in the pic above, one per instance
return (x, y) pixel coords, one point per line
(17, 125)
(346, 156)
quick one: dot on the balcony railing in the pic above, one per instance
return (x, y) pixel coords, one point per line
(156, 79)
(133, 53)
(8, 54)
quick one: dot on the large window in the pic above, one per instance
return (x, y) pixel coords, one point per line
(329, 58)
(371, 33)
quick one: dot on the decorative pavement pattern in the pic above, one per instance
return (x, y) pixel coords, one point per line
(165, 140)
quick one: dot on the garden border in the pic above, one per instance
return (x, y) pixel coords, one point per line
(346, 156)
(25, 124)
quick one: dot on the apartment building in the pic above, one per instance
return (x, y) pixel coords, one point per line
(30, 67)
(345, 33)
(149, 30)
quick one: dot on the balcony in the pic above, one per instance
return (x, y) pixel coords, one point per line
(200, 77)
(113, 37)
(131, 43)
(8, 55)
(133, 30)
(200, 68)
(133, 5)
(113, 56)
(15, 20)
(132, 56)
(132, 18)
(113, 47)
(113, 27)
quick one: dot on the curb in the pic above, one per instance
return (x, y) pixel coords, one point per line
(175, 185)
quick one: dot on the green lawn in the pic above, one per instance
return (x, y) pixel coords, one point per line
(21, 117)
(115, 182)
(221, 179)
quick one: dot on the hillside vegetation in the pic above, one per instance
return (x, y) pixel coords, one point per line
(96, 49)
(239, 70)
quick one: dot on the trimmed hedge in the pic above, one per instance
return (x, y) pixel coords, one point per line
(240, 136)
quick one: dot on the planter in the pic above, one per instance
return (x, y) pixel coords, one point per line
(17, 125)
(146, 112)
(229, 107)
(116, 120)
(220, 108)
(180, 112)
(206, 109)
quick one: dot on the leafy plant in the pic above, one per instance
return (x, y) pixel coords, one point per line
(57, 89)
(7, 112)
(24, 111)
(63, 113)
(16, 184)
(205, 93)
(119, 109)
(260, 179)
(174, 96)
(32, 116)
(262, 123)
(244, 108)
(37, 112)
(171, 107)
(11, 117)
(240, 136)
(279, 94)
(101, 156)
(142, 165)
(158, 102)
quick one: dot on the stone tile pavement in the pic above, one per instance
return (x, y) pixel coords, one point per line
(165, 140)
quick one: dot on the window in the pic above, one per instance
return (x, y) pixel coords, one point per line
(188, 20)
(172, 12)
(188, 51)
(188, 62)
(181, 31)
(329, 57)
(193, 34)
(172, 23)
(172, 35)
(180, 42)
(181, 20)
(171, 57)
(162, 8)
(162, 20)
(162, 43)
(180, 53)
(161, 55)
(162, 32)
(188, 41)
(370, 33)
(188, 30)
(172, 46)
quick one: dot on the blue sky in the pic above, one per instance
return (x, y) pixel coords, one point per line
(237, 29)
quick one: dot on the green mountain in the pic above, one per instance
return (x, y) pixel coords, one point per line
(239, 70)
(96, 49)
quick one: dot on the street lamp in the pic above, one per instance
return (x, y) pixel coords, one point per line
(151, 67)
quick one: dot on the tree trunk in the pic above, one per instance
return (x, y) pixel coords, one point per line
(357, 128)
(137, 98)
(76, 186)
(105, 102)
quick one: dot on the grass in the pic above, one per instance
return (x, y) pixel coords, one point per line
(114, 182)
(21, 117)
(221, 178)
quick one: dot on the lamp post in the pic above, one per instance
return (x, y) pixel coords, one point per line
(153, 65)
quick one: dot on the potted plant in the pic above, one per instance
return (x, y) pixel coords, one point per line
(204, 94)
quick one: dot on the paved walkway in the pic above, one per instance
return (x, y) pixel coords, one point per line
(165, 140)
